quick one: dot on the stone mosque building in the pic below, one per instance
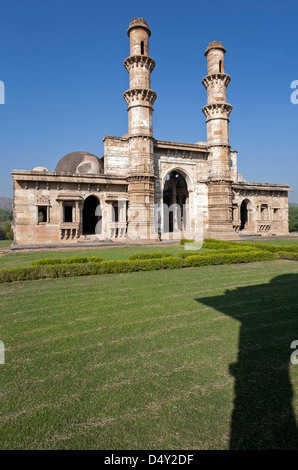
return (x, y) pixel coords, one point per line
(143, 189)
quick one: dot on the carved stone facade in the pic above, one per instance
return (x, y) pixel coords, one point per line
(148, 189)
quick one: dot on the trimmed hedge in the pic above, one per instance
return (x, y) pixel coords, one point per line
(112, 267)
(229, 258)
(163, 255)
(291, 256)
(276, 248)
(72, 260)
(184, 240)
(186, 254)
(149, 255)
(221, 244)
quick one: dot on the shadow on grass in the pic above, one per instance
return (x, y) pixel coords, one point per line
(263, 416)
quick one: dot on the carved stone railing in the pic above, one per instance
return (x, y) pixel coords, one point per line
(264, 227)
(117, 229)
(69, 230)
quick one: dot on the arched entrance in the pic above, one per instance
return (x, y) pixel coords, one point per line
(175, 200)
(244, 214)
(90, 218)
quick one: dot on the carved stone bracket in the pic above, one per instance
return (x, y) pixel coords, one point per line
(140, 95)
(143, 177)
(139, 61)
(216, 77)
(217, 110)
(141, 136)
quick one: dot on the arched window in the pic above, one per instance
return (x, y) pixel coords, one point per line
(142, 47)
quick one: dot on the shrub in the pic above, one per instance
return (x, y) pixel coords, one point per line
(25, 273)
(184, 240)
(8, 231)
(2, 233)
(228, 258)
(52, 271)
(186, 254)
(72, 260)
(149, 255)
(291, 256)
(276, 248)
(221, 244)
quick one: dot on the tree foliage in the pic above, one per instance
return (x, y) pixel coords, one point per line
(293, 218)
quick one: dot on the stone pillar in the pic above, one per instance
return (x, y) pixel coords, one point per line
(140, 99)
(217, 113)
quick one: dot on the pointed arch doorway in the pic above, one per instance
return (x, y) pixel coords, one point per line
(176, 203)
(90, 219)
(245, 214)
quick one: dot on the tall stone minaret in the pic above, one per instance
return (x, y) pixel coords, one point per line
(140, 99)
(217, 113)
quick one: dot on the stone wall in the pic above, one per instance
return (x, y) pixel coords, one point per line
(40, 201)
(266, 207)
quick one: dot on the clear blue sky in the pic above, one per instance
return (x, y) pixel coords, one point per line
(62, 65)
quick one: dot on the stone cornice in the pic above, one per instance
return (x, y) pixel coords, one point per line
(261, 186)
(141, 136)
(139, 96)
(51, 177)
(216, 181)
(139, 61)
(216, 77)
(114, 137)
(217, 111)
(141, 177)
(226, 146)
(164, 144)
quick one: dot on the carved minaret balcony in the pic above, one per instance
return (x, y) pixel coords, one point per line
(217, 112)
(140, 99)
(139, 64)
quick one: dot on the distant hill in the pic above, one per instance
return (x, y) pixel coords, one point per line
(6, 203)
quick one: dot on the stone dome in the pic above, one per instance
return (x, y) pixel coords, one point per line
(82, 163)
(139, 23)
(215, 45)
(41, 169)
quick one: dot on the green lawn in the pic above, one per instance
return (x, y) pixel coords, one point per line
(8, 260)
(5, 243)
(151, 360)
